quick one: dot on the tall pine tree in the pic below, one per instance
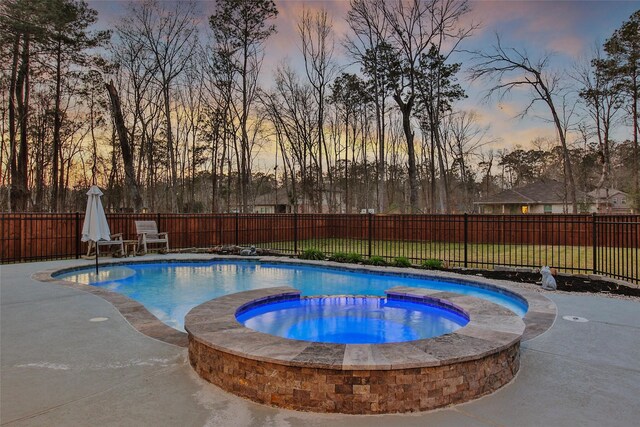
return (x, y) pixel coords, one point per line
(624, 49)
(69, 43)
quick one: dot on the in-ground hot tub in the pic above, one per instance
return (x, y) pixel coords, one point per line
(352, 319)
(415, 375)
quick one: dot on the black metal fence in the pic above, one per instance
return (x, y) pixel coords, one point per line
(599, 244)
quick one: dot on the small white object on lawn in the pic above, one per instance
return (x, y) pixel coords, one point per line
(548, 281)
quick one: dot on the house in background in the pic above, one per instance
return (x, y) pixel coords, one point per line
(275, 202)
(279, 202)
(544, 196)
(611, 201)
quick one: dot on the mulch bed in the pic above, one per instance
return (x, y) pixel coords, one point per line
(566, 283)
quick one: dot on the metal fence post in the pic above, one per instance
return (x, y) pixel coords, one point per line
(370, 231)
(466, 237)
(237, 229)
(295, 233)
(22, 233)
(77, 235)
(594, 239)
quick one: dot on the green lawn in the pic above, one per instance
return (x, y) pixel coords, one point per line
(614, 261)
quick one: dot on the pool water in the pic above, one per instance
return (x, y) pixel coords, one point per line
(351, 320)
(171, 290)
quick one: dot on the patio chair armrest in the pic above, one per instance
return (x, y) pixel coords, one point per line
(164, 233)
(117, 236)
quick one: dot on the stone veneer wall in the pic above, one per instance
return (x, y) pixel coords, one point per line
(354, 391)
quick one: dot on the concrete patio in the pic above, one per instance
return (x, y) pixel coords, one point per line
(58, 368)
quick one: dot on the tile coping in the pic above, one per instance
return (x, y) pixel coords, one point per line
(491, 329)
(539, 318)
(391, 294)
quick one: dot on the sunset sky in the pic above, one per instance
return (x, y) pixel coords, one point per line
(570, 29)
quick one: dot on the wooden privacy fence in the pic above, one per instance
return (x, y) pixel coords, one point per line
(603, 244)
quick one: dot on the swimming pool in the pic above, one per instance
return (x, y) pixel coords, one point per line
(352, 320)
(170, 289)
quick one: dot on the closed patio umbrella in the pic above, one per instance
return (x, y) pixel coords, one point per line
(95, 226)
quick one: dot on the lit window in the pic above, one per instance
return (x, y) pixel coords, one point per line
(524, 209)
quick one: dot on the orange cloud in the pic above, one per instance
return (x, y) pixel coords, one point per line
(570, 45)
(551, 26)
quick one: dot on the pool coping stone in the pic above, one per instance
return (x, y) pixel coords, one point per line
(485, 334)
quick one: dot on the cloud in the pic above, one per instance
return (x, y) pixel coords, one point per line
(570, 45)
(506, 129)
(509, 109)
(566, 27)
(287, 38)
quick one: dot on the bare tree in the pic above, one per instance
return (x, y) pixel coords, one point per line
(21, 27)
(486, 165)
(68, 40)
(134, 82)
(192, 97)
(602, 97)
(369, 47)
(220, 123)
(4, 143)
(127, 155)
(623, 50)
(241, 27)
(437, 91)
(416, 26)
(511, 68)
(315, 30)
(465, 139)
(170, 36)
(291, 107)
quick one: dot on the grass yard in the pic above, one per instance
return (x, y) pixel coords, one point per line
(616, 262)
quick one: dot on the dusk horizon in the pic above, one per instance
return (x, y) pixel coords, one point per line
(568, 30)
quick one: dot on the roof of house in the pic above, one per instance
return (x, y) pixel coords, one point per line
(602, 193)
(546, 191)
(270, 199)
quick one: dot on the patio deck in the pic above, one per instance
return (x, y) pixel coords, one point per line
(58, 368)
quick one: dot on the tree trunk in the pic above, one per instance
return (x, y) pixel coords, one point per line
(13, 150)
(567, 162)
(432, 175)
(563, 140)
(347, 207)
(214, 168)
(320, 146)
(244, 176)
(39, 181)
(172, 156)
(127, 155)
(405, 109)
(636, 152)
(442, 183)
(380, 118)
(56, 132)
(23, 90)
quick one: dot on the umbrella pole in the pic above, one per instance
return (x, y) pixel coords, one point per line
(97, 255)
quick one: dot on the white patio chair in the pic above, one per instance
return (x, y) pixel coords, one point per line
(148, 233)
